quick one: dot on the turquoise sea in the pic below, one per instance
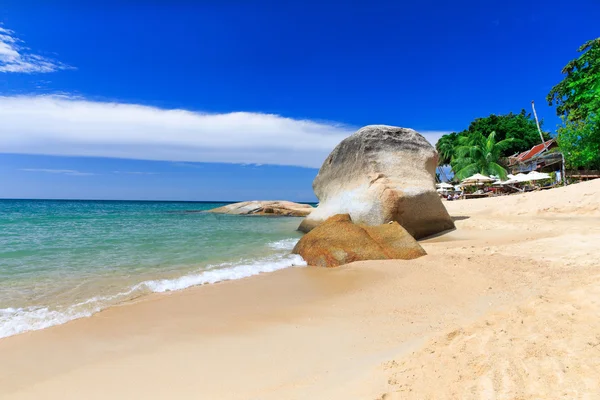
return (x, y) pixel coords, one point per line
(61, 260)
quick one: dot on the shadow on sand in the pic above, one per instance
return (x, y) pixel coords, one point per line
(460, 218)
(445, 234)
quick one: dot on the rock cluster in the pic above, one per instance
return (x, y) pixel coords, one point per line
(282, 208)
(381, 174)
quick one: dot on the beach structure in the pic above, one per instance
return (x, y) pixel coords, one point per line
(583, 175)
(544, 156)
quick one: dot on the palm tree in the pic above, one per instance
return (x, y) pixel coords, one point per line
(479, 154)
(445, 148)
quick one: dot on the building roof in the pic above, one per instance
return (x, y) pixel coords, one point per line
(534, 151)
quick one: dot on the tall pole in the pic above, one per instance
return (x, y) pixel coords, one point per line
(564, 173)
(538, 125)
(537, 122)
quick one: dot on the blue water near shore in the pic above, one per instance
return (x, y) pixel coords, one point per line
(61, 260)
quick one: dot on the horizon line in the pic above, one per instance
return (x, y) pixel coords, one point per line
(155, 201)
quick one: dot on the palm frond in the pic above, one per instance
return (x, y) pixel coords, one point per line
(467, 171)
(477, 153)
(497, 170)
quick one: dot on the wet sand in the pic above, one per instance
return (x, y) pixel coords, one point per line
(506, 306)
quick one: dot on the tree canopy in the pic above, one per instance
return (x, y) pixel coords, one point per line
(577, 99)
(580, 143)
(578, 94)
(520, 128)
(445, 148)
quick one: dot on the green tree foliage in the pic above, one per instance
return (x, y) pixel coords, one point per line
(445, 148)
(520, 128)
(579, 142)
(478, 153)
(578, 95)
(577, 99)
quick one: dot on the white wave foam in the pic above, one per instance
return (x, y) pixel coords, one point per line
(285, 244)
(18, 320)
(225, 274)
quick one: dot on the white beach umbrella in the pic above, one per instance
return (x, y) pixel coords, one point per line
(509, 182)
(444, 185)
(520, 178)
(536, 176)
(477, 178)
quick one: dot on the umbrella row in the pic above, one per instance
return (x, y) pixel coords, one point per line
(520, 178)
(478, 179)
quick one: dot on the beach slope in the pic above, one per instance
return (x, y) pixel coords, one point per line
(506, 306)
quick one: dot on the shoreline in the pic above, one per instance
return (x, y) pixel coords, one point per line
(19, 320)
(351, 332)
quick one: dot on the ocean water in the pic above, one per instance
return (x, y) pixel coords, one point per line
(61, 260)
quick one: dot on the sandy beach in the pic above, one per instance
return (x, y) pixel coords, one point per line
(507, 306)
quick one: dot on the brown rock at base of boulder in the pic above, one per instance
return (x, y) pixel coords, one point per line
(280, 208)
(339, 241)
(395, 241)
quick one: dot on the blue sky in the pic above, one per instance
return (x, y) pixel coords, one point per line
(236, 100)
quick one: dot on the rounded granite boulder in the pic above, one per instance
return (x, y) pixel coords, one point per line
(381, 174)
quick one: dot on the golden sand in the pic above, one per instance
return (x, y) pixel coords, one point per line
(505, 307)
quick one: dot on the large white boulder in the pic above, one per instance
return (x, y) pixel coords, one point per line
(381, 174)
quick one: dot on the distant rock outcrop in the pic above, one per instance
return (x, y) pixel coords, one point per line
(381, 174)
(282, 208)
(339, 241)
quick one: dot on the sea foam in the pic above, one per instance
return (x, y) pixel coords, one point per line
(225, 274)
(18, 320)
(285, 244)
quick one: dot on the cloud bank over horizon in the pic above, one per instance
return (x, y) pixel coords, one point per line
(68, 126)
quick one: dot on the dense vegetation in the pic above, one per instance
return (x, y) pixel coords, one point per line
(520, 129)
(577, 99)
(579, 142)
(484, 146)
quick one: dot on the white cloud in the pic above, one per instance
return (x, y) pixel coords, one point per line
(60, 125)
(70, 172)
(14, 57)
(187, 165)
(135, 173)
